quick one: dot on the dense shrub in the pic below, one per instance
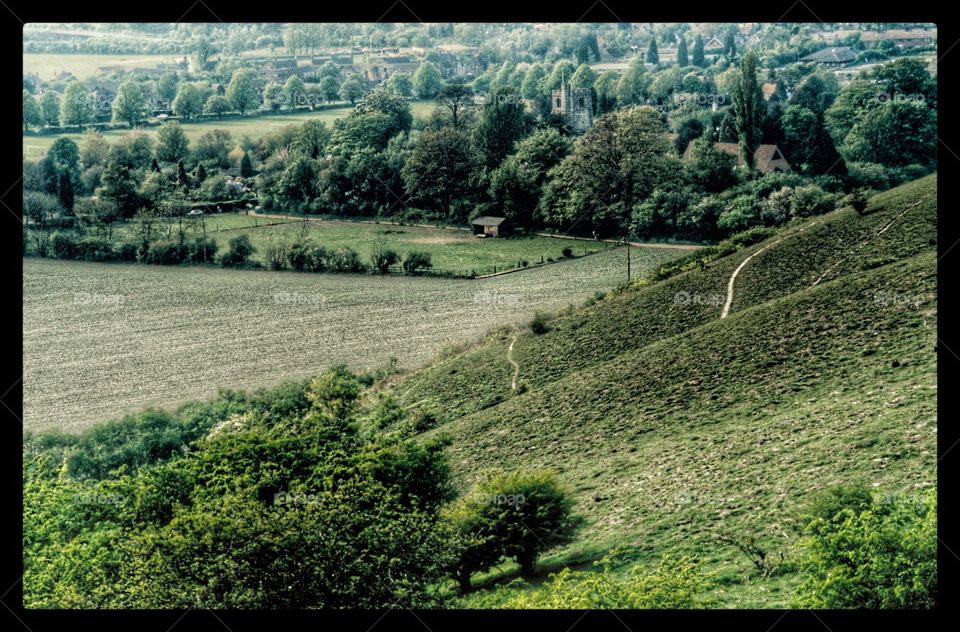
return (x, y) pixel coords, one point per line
(883, 555)
(567, 252)
(63, 246)
(238, 253)
(166, 253)
(675, 584)
(540, 323)
(416, 261)
(515, 515)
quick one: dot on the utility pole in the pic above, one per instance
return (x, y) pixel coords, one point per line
(628, 262)
(203, 223)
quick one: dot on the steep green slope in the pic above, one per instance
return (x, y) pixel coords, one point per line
(672, 426)
(827, 246)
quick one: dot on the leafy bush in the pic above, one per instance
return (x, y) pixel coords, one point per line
(415, 261)
(676, 584)
(539, 324)
(516, 515)
(200, 251)
(127, 252)
(567, 252)
(345, 260)
(811, 200)
(858, 199)
(383, 259)
(238, 253)
(883, 555)
(166, 253)
(63, 246)
(95, 249)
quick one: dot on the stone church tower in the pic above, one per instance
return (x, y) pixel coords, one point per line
(575, 105)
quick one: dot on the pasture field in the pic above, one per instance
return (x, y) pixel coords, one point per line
(84, 66)
(451, 250)
(101, 340)
(35, 147)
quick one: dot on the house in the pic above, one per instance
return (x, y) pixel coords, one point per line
(902, 38)
(713, 48)
(836, 57)
(767, 158)
(491, 226)
(774, 90)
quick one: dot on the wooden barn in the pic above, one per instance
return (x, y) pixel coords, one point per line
(491, 226)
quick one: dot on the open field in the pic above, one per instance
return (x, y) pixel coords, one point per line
(104, 339)
(35, 147)
(455, 251)
(84, 66)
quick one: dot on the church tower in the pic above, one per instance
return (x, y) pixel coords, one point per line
(575, 105)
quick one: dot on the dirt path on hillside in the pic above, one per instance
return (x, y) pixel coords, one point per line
(516, 367)
(733, 277)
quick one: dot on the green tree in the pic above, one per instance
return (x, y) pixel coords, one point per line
(129, 105)
(427, 81)
(242, 92)
(633, 85)
(894, 134)
(50, 108)
(441, 170)
(516, 515)
(653, 55)
(218, 105)
(246, 167)
(729, 46)
(167, 87)
(274, 96)
(189, 101)
(120, 183)
(297, 185)
(311, 139)
(397, 109)
(750, 108)
(532, 85)
(351, 89)
(295, 91)
(400, 83)
(95, 150)
(76, 107)
(172, 142)
(709, 168)
(699, 60)
(683, 59)
(584, 77)
(455, 106)
(808, 144)
(502, 123)
(238, 252)
(32, 117)
(329, 88)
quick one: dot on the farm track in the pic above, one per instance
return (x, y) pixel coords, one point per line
(513, 363)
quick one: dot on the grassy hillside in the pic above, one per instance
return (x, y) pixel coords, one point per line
(671, 426)
(635, 319)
